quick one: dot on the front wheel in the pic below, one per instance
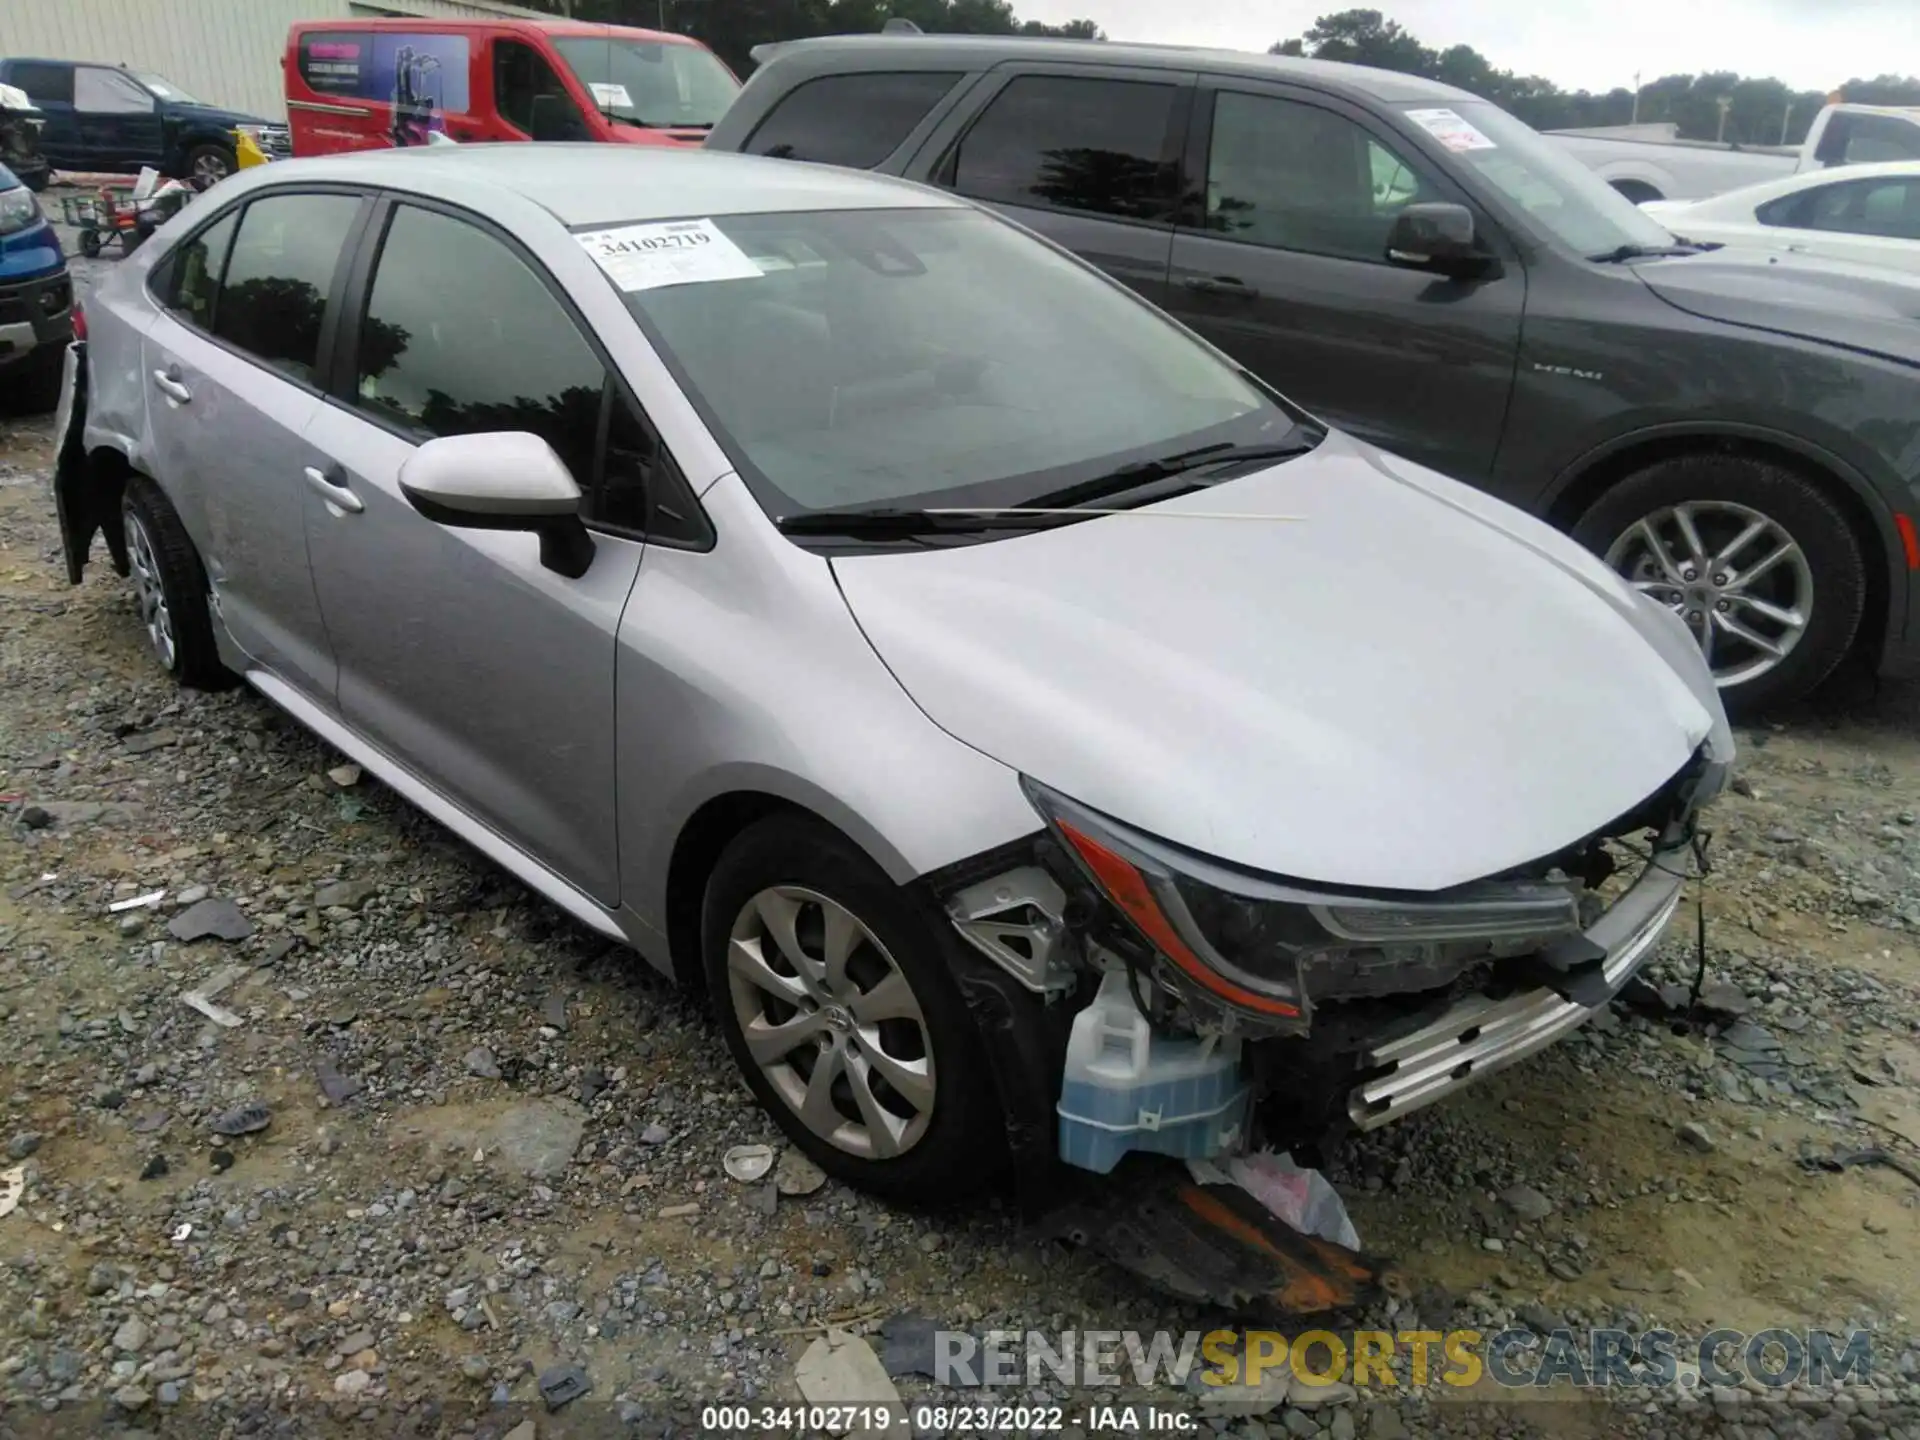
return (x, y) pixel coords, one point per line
(837, 998)
(1753, 556)
(208, 165)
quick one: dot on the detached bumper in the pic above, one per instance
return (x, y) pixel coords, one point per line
(1479, 1035)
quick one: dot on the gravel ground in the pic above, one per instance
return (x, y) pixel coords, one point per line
(494, 1144)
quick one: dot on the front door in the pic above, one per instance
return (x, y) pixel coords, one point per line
(1282, 264)
(118, 119)
(460, 655)
(232, 367)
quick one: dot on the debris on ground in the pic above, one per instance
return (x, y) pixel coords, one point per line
(1845, 1159)
(796, 1174)
(840, 1369)
(747, 1163)
(201, 996)
(345, 776)
(1301, 1198)
(13, 1185)
(217, 918)
(563, 1384)
(338, 1088)
(246, 1120)
(137, 902)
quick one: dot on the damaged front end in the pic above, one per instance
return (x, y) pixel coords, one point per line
(21, 122)
(1215, 1008)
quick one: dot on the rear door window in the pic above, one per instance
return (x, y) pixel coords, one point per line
(1887, 207)
(190, 283)
(279, 275)
(44, 81)
(852, 120)
(1096, 146)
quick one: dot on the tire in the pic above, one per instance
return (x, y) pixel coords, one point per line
(40, 395)
(931, 1144)
(170, 586)
(1724, 495)
(202, 162)
(90, 244)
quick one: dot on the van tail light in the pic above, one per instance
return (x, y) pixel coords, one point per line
(79, 321)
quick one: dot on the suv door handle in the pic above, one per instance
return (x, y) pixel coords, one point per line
(331, 485)
(167, 382)
(1220, 285)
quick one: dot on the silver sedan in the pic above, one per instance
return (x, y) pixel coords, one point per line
(890, 626)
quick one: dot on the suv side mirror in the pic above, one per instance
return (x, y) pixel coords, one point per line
(555, 117)
(502, 481)
(1438, 237)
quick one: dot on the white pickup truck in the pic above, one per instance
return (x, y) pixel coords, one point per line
(1647, 162)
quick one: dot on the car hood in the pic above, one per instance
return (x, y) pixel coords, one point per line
(1411, 687)
(1861, 307)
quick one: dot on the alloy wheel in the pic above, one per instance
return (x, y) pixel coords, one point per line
(832, 1022)
(148, 591)
(209, 169)
(1737, 578)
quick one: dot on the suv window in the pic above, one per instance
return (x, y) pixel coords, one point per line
(1073, 144)
(531, 96)
(851, 120)
(191, 281)
(1889, 207)
(273, 298)
(1296, 177)
(99, 91)
(43, 80)
(461, 337)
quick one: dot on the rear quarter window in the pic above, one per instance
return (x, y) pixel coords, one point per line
(851, 120)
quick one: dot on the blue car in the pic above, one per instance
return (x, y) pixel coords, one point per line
(36, 301)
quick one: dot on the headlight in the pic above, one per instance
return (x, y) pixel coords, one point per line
(1271, 948)
(18, 209)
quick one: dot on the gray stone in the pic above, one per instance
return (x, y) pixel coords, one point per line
(344, 894)
(1384, 1423)
(131, 1397)
(356, 1342)
(1696, 1136)
(23, 1144)
(1526, 1202)
(479, 1061)
(218, 918)
(132, 1337)
(475, 1367)
(351, 1383)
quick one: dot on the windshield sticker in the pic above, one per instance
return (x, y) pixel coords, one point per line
(679, 252)
(1450, 130)
(611, 97)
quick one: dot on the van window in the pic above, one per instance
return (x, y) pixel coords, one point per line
(530, 95)
(853, 120)
(653, 84)
(274, 297)
(45, 81)
(1073, 144)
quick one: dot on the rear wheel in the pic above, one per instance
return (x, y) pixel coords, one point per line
(837, 998)
(170, 587)
(1753, 556)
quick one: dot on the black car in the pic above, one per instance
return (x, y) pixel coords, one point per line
(116, 120)
(1738, 433)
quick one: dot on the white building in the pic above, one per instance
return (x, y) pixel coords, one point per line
(225, 52)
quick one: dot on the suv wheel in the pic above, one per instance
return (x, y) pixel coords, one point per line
(837, 998)
(170, 587)
(208, 165)
(1754, 557)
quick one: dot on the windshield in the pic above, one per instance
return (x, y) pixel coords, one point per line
(1540, 177)
(933, 356)
(164, 88)
(659, 85)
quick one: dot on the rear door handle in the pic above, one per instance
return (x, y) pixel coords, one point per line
(167, 382)
(1220, 285)
(331, 485)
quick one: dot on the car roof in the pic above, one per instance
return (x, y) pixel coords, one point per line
(985, 50)
(599, 184)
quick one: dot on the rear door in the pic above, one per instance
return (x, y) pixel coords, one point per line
(118, 119)
(49, 84)
(1281, 262)
(487, 674)
(232, 368)
(1872, 222)
(1088, 155)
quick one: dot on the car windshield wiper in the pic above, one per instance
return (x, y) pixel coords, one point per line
(1146, 473)
(1644, 252)
(887, 523)
(636, 121)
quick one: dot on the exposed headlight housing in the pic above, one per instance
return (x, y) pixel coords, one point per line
(18, 209)
(1269, 948)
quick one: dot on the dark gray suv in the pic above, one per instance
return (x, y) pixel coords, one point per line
(1738, 433)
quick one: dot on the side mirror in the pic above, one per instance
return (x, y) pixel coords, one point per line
(1438, 237)
(504, 481)
(555, 117)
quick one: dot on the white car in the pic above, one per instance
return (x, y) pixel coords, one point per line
(1868, 214)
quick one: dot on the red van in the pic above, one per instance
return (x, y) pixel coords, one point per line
(370, 84)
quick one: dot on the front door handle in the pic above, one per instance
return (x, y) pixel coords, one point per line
(167, 382)
(1220, 285)
(331, 485)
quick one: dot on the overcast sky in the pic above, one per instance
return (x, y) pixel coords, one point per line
(1580, 44)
